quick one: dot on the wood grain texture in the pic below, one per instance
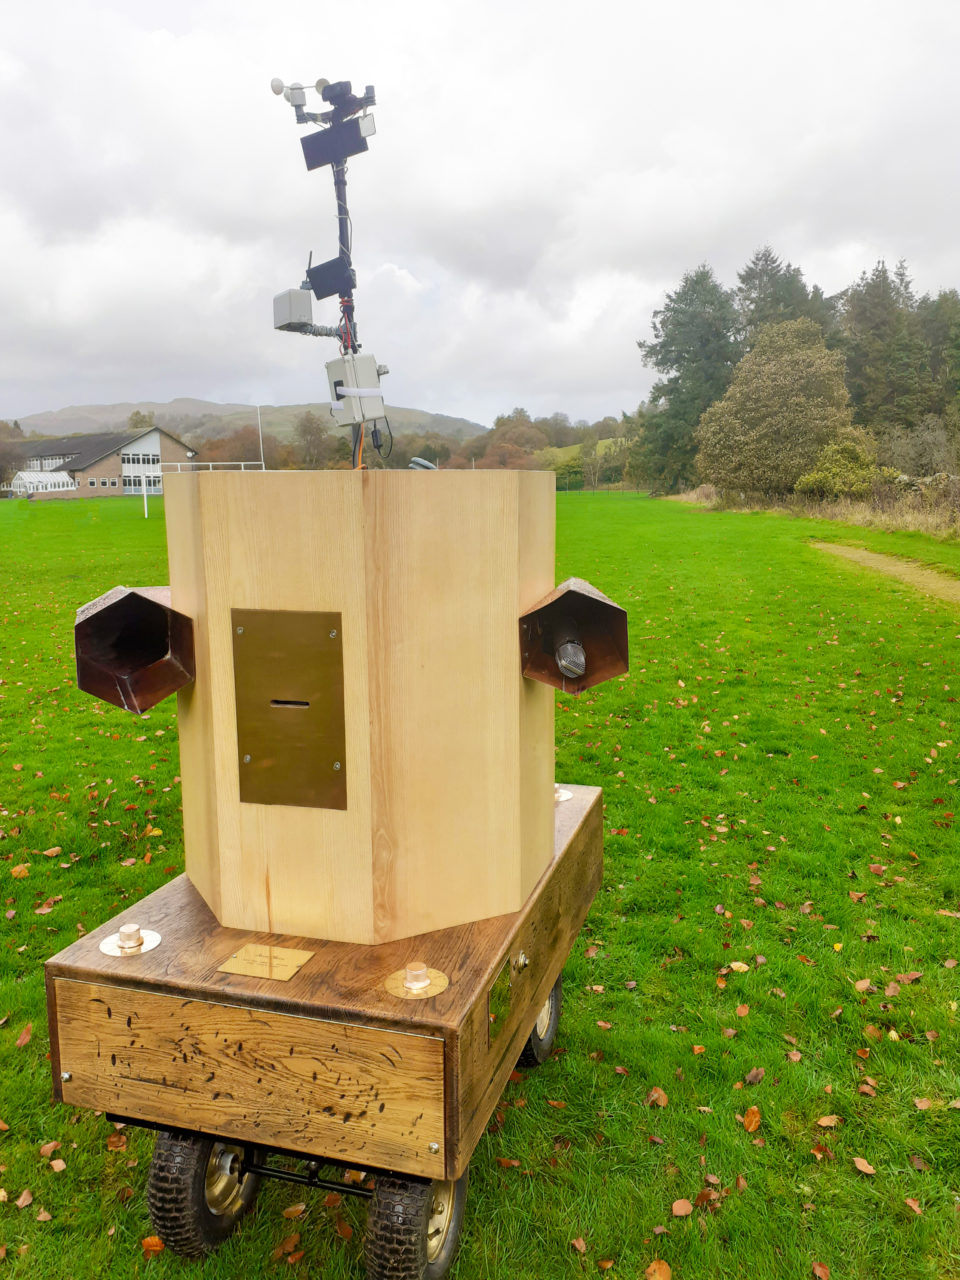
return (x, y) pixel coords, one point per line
(449, 751)
(354, 1093)
(343, 983)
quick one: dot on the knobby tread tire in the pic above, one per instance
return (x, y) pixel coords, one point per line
(176, 1196)
(536, 1050)
(396, 1242)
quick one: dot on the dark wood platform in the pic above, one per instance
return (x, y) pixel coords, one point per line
(328, 1062)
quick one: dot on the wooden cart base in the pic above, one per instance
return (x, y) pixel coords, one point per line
(296, 1043)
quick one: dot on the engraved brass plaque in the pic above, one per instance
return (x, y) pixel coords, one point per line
(259, 961)
(291, 738)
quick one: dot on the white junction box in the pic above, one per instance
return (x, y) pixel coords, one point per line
(355, 394)
(293, 310)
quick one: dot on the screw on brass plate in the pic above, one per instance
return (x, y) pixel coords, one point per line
(333, 634)
(246, 759)
(523, 960)
(336, 764)
(66, 1076)
(433, 1148)
(239, 631)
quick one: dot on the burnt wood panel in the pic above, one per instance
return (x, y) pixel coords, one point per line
(359, 1094)
(544, 935)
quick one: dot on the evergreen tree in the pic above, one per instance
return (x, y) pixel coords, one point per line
(888, 355)
(940, 325)
(696, 343)
(772, 292)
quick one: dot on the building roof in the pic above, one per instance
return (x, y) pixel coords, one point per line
(43, 477)
(83, 451)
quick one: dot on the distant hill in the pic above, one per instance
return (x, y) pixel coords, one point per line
(205, 419)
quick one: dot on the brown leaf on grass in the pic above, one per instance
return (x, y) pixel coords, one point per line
(863, 1053)
(20, 871)
(914, 1205)
(751, 1119)
(954, 1105)
(682, 1209)
(872, 1032)
(892, 989)
(868, 1090)
(332, 1199)
(706, 1197)
(922, 1104)
(43, 1216)
(755, 1076)
(856, 897)
(699, 1048)
(604, 1264)
(294, 1210)
(48, 1148)
(604, 1026)
(658, 1270)
(741, 1182)
(820, 1151)
(58, 1165)
(117, 1142)
(579, 1244)
(913, 976)
(294, 1258)
(622, 1071)
(742, 1010)
(863, 1166)
(919, 1164)
(656, 1097)
(794, 1055)
(932, 1035)
(151, 1246)
(24, 1037)
(950, 964)
(506, 1163)
(821, 1271)
(344, 1229)
(24, 1198)
(829, 1122)
(863, 985)
(553, 1102)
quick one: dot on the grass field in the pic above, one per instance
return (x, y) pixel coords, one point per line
(780, 775)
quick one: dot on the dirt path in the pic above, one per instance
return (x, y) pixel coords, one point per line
(929, 581)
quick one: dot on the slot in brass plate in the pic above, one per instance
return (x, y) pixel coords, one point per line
(259, 961)
(291, 737)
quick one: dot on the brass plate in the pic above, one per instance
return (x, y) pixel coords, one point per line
(258, 961)
(291, 738)
(438, 982)
(498, 1002)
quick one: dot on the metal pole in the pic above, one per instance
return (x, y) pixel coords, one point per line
(260, 430)
(143, 481)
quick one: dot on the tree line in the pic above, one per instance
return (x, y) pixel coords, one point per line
(757, 381)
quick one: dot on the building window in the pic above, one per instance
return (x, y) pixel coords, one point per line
(92, 482)
(103, 483)
(113, 484)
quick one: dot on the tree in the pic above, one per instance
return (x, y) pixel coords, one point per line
(786, 401)
(312, 436)
(140, 422)
(696, 343)
(888, 356)
(11, 460)
(940, 325)
(847, 468)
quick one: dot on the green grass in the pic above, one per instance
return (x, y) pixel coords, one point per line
(775, 697)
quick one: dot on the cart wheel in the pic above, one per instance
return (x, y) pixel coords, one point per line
(413, 1228)
(195, 1192)
(537, 1049)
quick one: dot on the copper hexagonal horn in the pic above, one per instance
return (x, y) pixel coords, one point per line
(133, 649)
(574, 638)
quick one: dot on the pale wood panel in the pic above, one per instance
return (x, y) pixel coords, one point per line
(536, 517)
(442, 615)
(283, 541)
(353, 1093)
(195, 702)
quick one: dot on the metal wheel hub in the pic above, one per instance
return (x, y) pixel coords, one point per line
(441, 1216)
(543, 1018)
(223, 1186)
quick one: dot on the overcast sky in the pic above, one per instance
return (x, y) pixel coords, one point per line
(542, 173)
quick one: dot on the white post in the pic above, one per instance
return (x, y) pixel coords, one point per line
(260, 429)
(144, 482)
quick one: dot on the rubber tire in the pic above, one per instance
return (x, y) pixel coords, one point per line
(537, 1049)
(396, 1242)
(176, 1195)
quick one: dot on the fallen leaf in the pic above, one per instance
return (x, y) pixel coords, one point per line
(741, 1182)
(294, 1210)
(821, 1271)
(755, 1076)
(699, 1048)
(863, 1166)
(20, 871)
(579, 1244)
(24, 1037)
(658, 1270)
(332, 1199)
(43, 1216)
(794, 1055)
(742, 1010)
(863, 985)
(919, 1164)
(682, 1208)
(820, 1151)
(152, 1245)
(48, 1148)
(828, 1122)
(922, 1104)
(25, 1197)
(506, 1163)
(751, 1119)
(344, 1229)
(604, 1264)
(604, 1026)
(58, 1165)
(553, 1103)
(656, 1097)
(739, 967)
(914, 1205)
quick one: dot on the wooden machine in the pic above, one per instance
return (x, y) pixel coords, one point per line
(382, 881)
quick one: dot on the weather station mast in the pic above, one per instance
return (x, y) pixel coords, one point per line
(356, 398)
